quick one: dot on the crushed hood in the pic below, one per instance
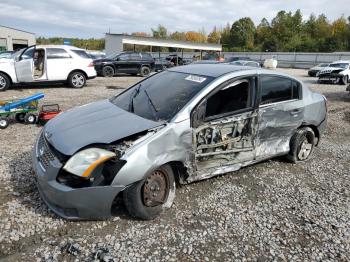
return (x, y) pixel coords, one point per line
(98, 122)
(331, 69)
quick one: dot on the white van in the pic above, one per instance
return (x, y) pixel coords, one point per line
(50, 63)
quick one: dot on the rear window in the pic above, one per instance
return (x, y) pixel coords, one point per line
(57, 53)
(277, 89)
(81, 53)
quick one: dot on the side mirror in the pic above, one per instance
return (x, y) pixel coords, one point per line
(198, 115)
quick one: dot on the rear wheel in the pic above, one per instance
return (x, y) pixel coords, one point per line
(147, 198)
(30, 119)
(301, 145)
(77, 80)
(344, 80)
(4, 122)
(108, 71)
(145, 71)
(4, 82)
(20, 117)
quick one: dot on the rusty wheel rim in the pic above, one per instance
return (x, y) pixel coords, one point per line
(155, 189)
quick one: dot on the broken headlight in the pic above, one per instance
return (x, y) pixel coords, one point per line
(84, 162)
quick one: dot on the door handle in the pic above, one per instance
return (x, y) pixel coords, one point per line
(295, 111)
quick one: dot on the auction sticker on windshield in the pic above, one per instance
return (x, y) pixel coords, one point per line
(198, 79)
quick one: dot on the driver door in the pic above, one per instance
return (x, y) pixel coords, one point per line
(24, 65)
(225, 127)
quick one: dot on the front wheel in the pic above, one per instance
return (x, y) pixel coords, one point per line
(147, 198)
(77, 80)
(30, 119)
(4, 82)
(4, 122)
(301, 145)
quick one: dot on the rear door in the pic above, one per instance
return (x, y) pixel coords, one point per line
(24, 66)
(59, 63)
(225, 126)
(281, 112)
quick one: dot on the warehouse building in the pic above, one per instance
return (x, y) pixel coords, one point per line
(12, 39)
(114, 43)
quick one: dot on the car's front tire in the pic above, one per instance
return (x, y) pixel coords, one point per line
(147, 198)
(77, 79)
(302, 144)
(145, 71)
(4, 82)
(108, 71)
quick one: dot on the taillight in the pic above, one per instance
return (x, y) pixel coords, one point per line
(91, 64)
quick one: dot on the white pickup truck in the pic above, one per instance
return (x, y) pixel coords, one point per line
(338, 72)
(51, 63)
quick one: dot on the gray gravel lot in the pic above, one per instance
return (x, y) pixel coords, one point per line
(270, 211)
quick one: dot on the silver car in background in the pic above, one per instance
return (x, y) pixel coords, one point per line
(184, 124)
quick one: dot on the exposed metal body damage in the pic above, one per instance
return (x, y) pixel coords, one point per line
(202, 144)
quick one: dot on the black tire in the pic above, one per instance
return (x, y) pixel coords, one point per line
(4, 122)
(30, 119)
(302, 144)
(77, 79)
(20, 117)
(344, 80)
(108, 71)
(145, 71)
(135, 196)
(4, 82)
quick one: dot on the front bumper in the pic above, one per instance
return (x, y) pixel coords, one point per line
(67, 202)
(329, 76)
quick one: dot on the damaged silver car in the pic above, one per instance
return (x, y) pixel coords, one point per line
(181, 125)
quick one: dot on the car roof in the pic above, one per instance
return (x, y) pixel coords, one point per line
(340, 61)
(213, 70)
(60, 46)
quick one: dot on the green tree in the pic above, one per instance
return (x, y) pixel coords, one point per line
(242, 34)
(214, 36)
(160, 32)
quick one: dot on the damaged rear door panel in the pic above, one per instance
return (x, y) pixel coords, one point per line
(281, 112)
(225, 127)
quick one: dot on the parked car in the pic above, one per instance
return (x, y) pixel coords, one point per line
(162, 64)
(6, 54)
(337, 72)
(183, 124)
(175, 60)
(51, 63)
(245, 63)
(213, 56)
(235, 58)
(127, 63)
(313, 71)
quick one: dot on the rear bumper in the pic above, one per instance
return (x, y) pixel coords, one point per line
(72, 203)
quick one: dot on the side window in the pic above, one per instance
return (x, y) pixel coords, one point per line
(146, 56)
(28, 54)
(123, 57)
(277, 89)
(57, 53)
(135, 56)
(233, 97)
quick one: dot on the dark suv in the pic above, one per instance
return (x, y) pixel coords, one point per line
(127, 63)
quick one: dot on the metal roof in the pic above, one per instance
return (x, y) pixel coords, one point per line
(150, 41)
(17, 29)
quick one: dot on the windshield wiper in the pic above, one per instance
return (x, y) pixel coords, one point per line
(135, 93)
(155, 111)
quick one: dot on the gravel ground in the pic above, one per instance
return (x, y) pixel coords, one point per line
(270, 211)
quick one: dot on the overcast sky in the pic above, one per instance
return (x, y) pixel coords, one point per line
(92, 18)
